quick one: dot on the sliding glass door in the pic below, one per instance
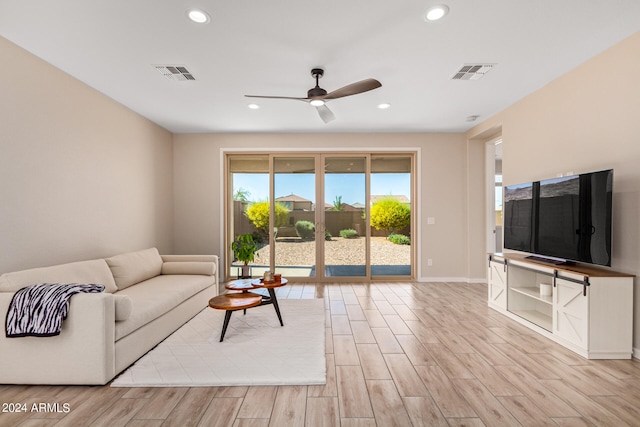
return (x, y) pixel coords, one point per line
(345, 211)
(391, 195)
(322, 216)
(247, 210)
(294, 209)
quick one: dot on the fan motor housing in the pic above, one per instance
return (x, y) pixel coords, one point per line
(315, 92)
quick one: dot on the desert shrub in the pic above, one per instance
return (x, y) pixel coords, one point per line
(399, 239)
(390, 214)
(349, 233)
(305, 229)
(258, 214)
(257, 237)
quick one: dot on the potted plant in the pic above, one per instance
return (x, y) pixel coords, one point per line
(244, 249)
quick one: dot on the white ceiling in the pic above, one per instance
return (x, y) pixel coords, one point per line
(269, 48)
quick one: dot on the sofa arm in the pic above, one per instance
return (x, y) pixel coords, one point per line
(83, 353)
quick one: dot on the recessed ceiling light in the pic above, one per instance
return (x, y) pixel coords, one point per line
(253, 106)
(198, 16)
(435, 13)
(384, 106)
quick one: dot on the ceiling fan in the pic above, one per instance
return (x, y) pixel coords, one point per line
(317, 96)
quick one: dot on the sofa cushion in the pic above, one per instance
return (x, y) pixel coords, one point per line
(154, 297)
(134, 267)
(203, 268)
(94, 271)
(123, 306)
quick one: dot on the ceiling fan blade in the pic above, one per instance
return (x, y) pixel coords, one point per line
(354, 89)
(277, 97)
(325, 113)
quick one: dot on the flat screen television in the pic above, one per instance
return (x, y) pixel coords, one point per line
(518, 217)
(561, 220)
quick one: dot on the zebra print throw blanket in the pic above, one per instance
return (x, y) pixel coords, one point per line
(38, 310)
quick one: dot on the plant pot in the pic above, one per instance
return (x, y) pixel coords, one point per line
(246, 271)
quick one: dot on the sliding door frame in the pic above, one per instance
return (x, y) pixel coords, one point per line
(226, 234)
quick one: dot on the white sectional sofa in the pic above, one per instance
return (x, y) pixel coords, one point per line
(147, 296)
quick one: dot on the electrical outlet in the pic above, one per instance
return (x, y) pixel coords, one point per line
(431, 220)
(429, 262)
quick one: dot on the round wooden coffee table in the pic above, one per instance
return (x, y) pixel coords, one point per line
(233, 302)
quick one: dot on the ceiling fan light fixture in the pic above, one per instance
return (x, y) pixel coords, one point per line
(198, 16)
(317, 96)
(253, 106)
(436, 13)
(384, 105)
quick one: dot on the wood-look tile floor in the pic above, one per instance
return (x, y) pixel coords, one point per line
(398, 354)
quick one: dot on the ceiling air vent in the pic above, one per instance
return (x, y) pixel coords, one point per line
(175, 72)
(472, 71)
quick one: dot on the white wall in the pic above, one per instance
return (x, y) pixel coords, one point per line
(80, 175)
(586, 120)
(442, 189)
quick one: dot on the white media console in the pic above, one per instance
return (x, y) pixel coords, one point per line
(589, 311)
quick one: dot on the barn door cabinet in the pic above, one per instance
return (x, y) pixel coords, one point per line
(497, 284)
(589, 310)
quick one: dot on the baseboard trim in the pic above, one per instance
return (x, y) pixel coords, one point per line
(452, 280)
(636, 353)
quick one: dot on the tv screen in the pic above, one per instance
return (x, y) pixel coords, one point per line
(518, 217)
(570, 217)
(558, 217)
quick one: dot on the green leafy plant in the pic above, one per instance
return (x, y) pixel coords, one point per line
(244, 248)
(390, 214)
(349, 233)
(258, 214)
(241, 195)
(399, 239)
(337, 204)
(327, 235)
(305, 229)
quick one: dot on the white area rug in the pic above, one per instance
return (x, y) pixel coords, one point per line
(256, 350)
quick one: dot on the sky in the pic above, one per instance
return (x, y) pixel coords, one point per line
(349, 186)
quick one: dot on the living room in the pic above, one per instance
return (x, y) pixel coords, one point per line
(85, 177)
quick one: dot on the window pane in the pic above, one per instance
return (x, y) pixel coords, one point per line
(390, 216)
(344, 210)
(249, 185)
(295, 204)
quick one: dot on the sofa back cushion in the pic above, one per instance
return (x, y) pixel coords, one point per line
(134, 267)
(86, 272)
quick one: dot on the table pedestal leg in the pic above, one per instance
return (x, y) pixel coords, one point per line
(227, 316)
(274, 300)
